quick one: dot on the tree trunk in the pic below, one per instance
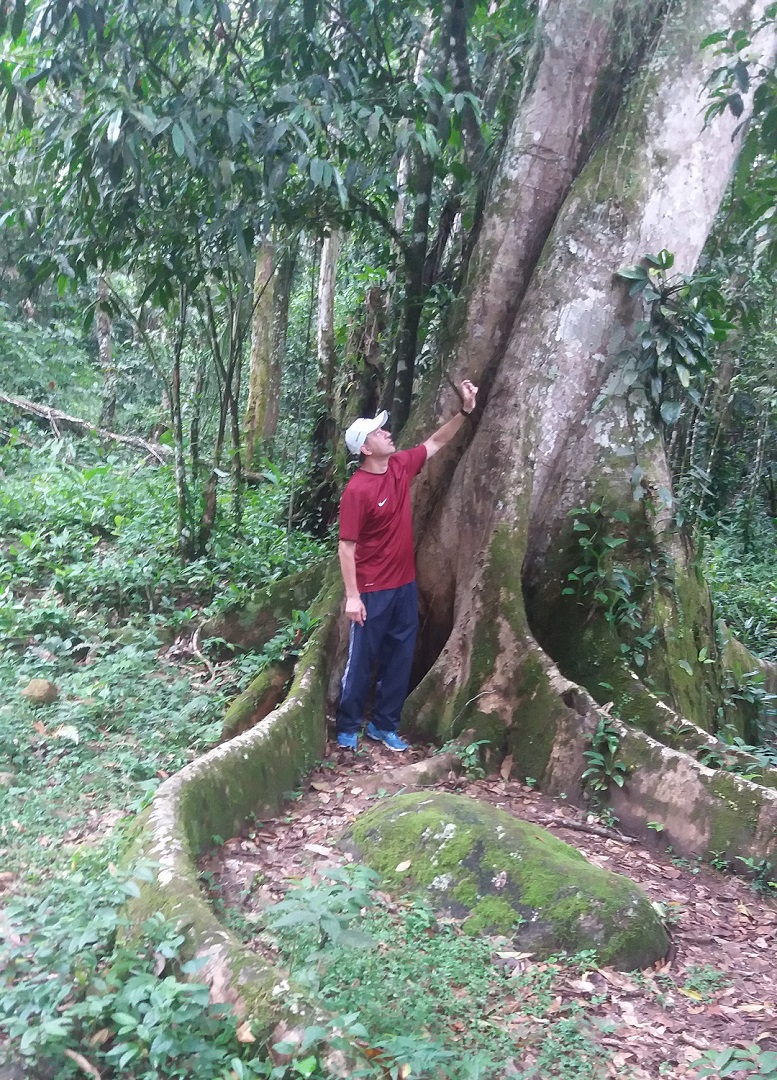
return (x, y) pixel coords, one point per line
(325, 331)
(499, 544)
(263, 393)
(318, 506)
(105, 356)
(581, 57)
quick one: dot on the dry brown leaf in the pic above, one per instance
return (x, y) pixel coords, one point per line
(582, 986)
(245, 1034)
(319, 849)
(82, 1063)
(401, 867)
(506, 767)
(100, 1037)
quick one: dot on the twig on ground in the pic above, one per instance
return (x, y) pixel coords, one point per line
(198, 653)
(584, 827)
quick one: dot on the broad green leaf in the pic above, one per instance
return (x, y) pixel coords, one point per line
(632, 273)
(714, 39)
(316, 171)
(179, 142)
(114, 126)
(234, 125)
(685, 666)
(741, 76)
(670, 412)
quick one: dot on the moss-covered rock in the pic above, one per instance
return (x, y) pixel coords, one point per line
(496, 873)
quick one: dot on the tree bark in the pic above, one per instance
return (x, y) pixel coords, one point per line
(325, 332)
(493, 567)
(582, 55)
(263, 393)
(105, 356)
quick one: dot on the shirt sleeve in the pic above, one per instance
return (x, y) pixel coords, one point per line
(413, 460)
(351, 514)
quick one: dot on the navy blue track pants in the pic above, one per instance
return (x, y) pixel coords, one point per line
(384, 642)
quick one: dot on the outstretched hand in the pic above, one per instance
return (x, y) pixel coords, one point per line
(469, 394)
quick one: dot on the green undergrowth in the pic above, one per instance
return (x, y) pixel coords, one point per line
(122, 723)
(99, 530)
(742, 575)
(77, 996)
(92, 594)
(427, 995)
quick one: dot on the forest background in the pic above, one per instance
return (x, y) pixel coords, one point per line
(226, 229)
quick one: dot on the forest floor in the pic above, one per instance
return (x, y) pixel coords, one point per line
(716, 989)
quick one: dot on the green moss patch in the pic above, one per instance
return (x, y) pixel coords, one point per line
(496, 873)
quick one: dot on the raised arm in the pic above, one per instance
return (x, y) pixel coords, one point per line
(446, 431)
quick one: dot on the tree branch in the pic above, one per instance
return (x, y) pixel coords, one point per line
(54, 418)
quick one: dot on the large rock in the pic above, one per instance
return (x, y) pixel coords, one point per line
(499, 874)
(40, 692)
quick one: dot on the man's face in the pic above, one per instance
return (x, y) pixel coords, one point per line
(379, 443)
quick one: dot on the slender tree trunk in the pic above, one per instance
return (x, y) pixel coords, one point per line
(262, 393)
(325, 335)
(198, 391)
(105, 356)
(284, 278)
(318, 508)
(186, 547)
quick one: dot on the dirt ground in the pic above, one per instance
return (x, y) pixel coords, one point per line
(670, 1013)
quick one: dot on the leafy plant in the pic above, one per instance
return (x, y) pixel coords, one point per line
(733, 1061)
(761, 872)
(470, 756)
(672, 354)
(603, 767)
(702, 981)
(611, 585)
(72, 987)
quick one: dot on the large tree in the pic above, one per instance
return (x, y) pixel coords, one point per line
(553, 568)
(525, 628)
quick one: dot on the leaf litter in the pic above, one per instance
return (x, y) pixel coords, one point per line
(716, 988)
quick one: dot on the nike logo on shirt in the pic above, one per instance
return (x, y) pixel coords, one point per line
(384, 502)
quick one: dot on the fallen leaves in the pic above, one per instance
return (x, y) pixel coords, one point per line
(649, 1021)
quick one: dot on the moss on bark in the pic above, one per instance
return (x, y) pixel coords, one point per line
(251, 625)
(257, 700)
(213, 796)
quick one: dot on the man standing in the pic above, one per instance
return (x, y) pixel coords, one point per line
(378, 567)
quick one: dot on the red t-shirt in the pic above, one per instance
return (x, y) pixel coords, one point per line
(375, 513)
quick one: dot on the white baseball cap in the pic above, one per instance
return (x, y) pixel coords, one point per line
(361, 428)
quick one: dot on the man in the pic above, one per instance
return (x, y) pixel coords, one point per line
(378, 567)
